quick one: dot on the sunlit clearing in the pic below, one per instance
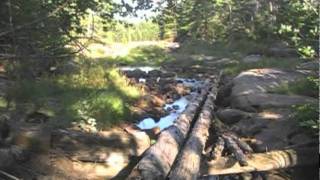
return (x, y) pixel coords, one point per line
(122, 83)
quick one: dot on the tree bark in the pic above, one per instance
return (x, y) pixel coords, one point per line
(265, 161)
(188, 163)
(158, 159)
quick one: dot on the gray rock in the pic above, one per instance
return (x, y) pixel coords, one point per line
(250, 89)
(282, 52)
(168, 75)
(137, 73)
(253, 102)
(223, 61)
(155, 73)
(312, 65)
(231, 116)
(252, 58)
(275, 136)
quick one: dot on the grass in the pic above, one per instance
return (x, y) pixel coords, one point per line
(265, 62)
(308, 117)
(307, 87)
(145, 55)
(94, 92)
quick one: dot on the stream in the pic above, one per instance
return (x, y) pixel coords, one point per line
(175, 108)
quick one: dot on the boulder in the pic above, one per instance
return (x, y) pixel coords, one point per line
(312, 65)
(250, 89)
(168, 75)
(275, 136)
(259, 101)
(231, 116)
(282, 52)
(155, 73)
(223, 61)
(137, 73)
(252, 58)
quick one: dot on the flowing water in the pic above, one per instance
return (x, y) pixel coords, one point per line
(175, 108)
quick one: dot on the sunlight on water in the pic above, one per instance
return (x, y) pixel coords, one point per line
(168, 120)
(142, 68)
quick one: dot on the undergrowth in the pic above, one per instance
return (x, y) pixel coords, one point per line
(308, 117)
(95, 92)
(307, 87)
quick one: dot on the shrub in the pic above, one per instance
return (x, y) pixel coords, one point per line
(308, 116)
(94, 93)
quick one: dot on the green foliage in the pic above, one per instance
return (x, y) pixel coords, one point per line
(119, 32)
(295, 22)
(144, 31)
(308, 116)
(235, 69)
(299, 25)
(95, 92)
(145, 55)
(307, 87)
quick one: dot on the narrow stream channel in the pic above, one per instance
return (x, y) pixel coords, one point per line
(174, 109)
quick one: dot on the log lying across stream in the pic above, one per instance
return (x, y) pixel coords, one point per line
(265, 161)
(188, 162)
(158, 159)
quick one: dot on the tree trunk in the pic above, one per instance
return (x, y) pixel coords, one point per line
(188, 163)
(265, 161)
(158, 159)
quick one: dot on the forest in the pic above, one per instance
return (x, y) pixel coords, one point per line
(159, 89)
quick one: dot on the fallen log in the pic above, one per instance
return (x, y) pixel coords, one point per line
(188, 162)
(235, 149)
(265, 161)
(232, 142)
(158, 159)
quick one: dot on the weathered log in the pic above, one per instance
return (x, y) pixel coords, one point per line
(233, 142)
(188, 162)
(242, 144)
(215, 151)
(265, 161)
(158, 159)
(235, 149)
(218, 149)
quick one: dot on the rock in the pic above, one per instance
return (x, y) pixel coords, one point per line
(231, 116)
(312, 65)
(252, 58)
(282, 52)
(254, 102)
(254, 124)
(137, 73)
(223, 96)
(176, 107)
(168, 75)
(250, 89)
(299, 138)
(155, 73)
(223, 61)
(275, 136)
(4, 131)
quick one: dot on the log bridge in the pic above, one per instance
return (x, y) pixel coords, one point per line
(181, 148)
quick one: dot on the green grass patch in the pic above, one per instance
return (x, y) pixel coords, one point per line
(307, 87)
(265, 62)
(308, 117)
(94, 92)
(145, 55)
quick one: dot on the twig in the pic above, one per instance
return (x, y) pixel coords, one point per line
(9, 175)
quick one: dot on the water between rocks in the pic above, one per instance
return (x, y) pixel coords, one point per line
(175, 108)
